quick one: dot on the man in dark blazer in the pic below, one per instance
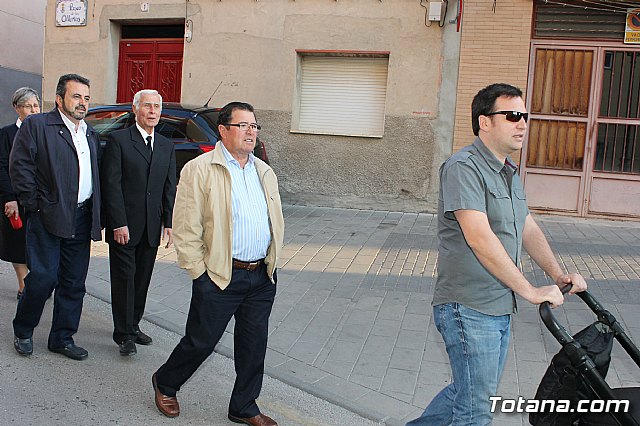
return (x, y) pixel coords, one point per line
(54, 171)
(139, 185)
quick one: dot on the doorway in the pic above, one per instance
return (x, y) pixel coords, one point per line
(150, 58)
(582, 153)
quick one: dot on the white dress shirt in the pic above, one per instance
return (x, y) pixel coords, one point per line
(251, 233)
(145, 134)
(79, 136)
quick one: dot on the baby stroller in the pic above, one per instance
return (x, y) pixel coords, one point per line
(578, 373)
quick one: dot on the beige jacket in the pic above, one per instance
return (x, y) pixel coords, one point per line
(202, 218)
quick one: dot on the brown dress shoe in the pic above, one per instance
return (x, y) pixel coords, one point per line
(168, 405)
(259, 420)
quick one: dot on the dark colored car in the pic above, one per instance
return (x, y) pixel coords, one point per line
(192, 129)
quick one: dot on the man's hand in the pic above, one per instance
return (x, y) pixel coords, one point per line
(547, 293)
(121, 235)
(11, 208)
(576, 280)
(167, 235)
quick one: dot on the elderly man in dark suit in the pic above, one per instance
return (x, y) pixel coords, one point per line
(54, 172)
(139, 187)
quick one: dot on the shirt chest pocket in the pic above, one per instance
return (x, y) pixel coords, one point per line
(500, 206)
(520, 206)
(498, 193)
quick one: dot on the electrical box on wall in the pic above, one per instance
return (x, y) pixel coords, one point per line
(436, 10)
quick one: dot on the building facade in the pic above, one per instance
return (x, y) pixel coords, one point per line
(582, 84)
(361, 100)
(22, 33)
(350, 94)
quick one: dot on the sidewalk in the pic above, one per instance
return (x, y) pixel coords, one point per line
(352, 318)
(48, 389)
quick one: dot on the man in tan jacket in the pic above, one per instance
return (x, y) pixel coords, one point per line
(228, 231)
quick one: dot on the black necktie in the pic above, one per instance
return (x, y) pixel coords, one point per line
(149, 144)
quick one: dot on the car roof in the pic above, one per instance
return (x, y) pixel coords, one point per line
(165, 105)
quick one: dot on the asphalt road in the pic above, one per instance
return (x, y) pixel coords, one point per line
(108, 389)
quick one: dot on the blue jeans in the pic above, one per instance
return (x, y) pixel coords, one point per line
(477, 347)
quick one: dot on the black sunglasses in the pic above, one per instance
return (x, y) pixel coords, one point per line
(513, 116)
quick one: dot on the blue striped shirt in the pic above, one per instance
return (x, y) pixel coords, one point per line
(251, 231)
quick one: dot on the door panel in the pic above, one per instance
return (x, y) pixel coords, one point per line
(558, 135)
(553, 192)
(618, 149)
(150, 64)
(169, 77)
(582, 152)
(133, 75)
(620, 84)
(556, 144)
(615, 180)
(615, 196)
(561, 83)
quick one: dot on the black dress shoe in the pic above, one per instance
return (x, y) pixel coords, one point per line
(71, 351)
(23, 346)
(143, 339)
(128, 348)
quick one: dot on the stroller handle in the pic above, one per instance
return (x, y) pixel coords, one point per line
(578, 355)
(604, 316)
(558, 331)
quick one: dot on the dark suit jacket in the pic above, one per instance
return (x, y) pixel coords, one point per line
(44, 171)
(7, 134)
(138, 189)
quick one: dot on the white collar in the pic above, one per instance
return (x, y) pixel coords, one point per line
(229, 158)
(144, 133)
(81, 128)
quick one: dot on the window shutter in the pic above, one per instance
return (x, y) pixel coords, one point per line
(579, 19)
(342, 95)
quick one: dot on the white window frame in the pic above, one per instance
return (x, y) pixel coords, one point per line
(340, 93)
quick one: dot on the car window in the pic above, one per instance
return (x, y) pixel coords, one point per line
(181, 128)
(212, 118)
(107, 121)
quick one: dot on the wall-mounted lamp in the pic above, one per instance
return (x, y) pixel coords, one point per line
(188, 30)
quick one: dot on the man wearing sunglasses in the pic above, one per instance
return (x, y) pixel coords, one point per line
(228, 232)
(483, 223)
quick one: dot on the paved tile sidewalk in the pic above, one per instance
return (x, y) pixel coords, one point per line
(352, 318)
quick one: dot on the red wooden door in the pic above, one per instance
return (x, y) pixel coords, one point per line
(150, 64)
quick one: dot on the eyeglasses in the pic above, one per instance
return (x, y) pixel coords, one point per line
(245, 126)
(513, 116)
(31, 107)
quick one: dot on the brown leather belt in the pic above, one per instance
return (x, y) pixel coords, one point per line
(249, 266)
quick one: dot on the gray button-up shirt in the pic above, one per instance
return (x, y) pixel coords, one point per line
(474, 179)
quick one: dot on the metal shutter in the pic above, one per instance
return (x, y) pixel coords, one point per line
(579, 19)
(342, 95)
